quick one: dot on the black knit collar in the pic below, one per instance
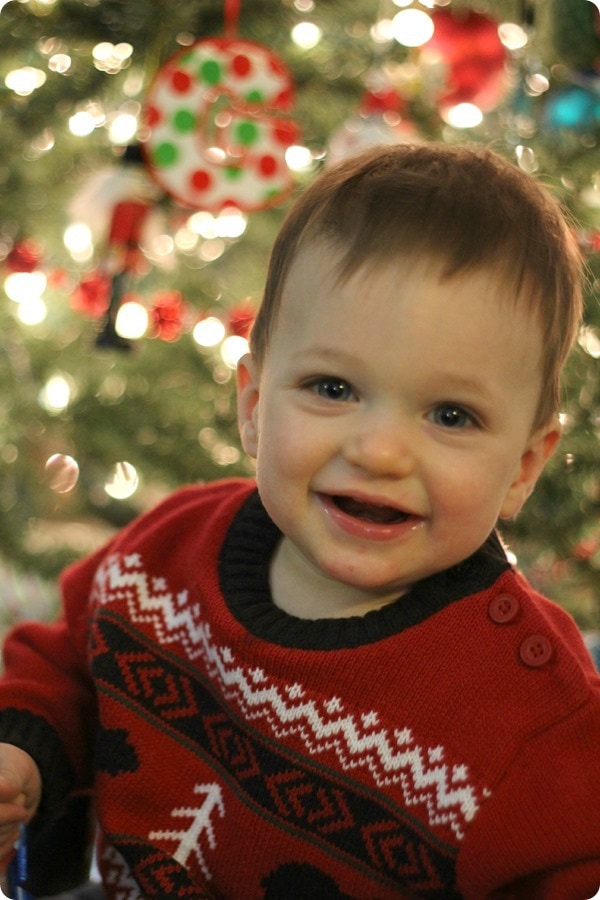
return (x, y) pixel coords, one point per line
(244, 576)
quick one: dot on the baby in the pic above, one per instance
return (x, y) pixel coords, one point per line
(329, 681)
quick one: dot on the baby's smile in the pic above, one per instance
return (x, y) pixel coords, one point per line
(371, 512)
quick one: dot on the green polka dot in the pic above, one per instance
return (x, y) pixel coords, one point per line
(233, 173)
(255, 96)
(184, 120)
(165, 154)
(246, 133)
(210, 71)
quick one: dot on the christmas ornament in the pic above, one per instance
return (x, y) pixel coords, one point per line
(91, 296)
(574, 108)
(218, 125)
(380, 119)
(25, 256)
(473, 57)
(240, 319)
(121, 259)
(167, 314)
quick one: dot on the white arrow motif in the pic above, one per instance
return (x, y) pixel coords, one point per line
(188, 841)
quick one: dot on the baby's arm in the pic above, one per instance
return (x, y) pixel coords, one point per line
(20, 792)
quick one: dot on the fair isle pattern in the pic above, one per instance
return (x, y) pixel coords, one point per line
(427, 780)
(117, 875)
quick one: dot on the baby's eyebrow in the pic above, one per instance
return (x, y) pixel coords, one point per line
(328, 353)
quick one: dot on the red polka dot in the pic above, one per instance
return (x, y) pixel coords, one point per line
(181, 82)
(284, 100)
(286, 133)
(201, 180)
(276, 66)
(267, 165)
(241, 65)
(153, 116)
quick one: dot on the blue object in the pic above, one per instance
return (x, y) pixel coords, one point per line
(17, 871)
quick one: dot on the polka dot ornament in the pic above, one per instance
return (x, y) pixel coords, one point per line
(218, 126)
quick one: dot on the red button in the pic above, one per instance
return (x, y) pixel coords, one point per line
(503, 608)
(535, 651)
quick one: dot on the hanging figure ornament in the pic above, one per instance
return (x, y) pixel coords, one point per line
(218, 124)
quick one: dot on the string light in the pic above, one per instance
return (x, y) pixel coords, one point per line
(463, 115)
(306, 35)
(412, 27)
(62, 473)
(132, 321)
(57, 393)
(25, 81)
(209, 332)
(22, 286)
(123, 481)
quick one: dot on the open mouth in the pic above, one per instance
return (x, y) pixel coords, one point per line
(370, 512)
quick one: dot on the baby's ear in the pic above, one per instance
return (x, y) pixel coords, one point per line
(248, 378)
(539, 449)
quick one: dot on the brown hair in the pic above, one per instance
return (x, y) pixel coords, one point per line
(465, 206)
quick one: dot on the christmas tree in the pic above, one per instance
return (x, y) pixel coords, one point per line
(134, 242)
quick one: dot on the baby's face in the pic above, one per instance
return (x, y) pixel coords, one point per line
(391, 420)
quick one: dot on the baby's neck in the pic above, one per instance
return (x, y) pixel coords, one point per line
(305, 592)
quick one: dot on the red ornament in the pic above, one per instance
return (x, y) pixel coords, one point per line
(166, 315)
(25, 256)
(241, 319)
(92, 294)
(474, 55)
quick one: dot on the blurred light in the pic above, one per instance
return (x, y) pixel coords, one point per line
(77, 238)
(512, 36)
(25, 81)
(82, 123)
(203, 223)
(62, 473)
(185, 239)
(230, 223)
(298, 158)
(212, 249)
(56, 394)
(123, 482)
(589, 340)
(463, 115)
(42, 143)
(306, 35)
(32, 311)
(412, 27)
(232, 349)
(162, 245)
(60, 63)
(123, 128)
(402, 2)
(382, 31)
(225, 455)
(526, 159)
(209, 332)
(111, 58)
(132, 320)
(20, 286)
(537, 84)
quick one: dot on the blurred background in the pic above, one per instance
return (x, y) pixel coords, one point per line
(149, 150)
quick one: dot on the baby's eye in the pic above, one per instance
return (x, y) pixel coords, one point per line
(449, 415)
(331, 388)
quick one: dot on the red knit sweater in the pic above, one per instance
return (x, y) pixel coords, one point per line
(447, 745)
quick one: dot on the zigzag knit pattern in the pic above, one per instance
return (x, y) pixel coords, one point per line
(426, 777)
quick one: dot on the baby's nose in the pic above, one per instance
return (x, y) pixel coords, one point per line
(381, 448)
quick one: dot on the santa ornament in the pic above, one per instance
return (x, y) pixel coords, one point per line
(218, 122)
